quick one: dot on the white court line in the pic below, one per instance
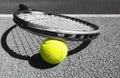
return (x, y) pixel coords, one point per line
(93, 15)
(6, 15)
(76, 15)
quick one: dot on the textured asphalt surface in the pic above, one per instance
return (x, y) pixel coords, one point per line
(100, 58)
(65, 6)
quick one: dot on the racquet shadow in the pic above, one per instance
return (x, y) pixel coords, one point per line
(6, 47)
(35, 60)
(79, 48)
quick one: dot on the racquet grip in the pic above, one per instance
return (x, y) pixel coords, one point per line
(23, 7)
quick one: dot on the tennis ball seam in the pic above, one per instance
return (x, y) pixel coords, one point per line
(57, 47)
(57, 61)
(60, 51)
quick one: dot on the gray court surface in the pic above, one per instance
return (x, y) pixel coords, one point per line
(64, 6)
(100, 58)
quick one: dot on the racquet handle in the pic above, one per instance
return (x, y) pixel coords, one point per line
(23, 7)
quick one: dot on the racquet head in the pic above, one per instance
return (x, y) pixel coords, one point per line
(54, 25)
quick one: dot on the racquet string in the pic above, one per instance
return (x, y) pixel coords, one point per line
(54, 22)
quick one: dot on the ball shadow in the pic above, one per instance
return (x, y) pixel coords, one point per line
(37, 62)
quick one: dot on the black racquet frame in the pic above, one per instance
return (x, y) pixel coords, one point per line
(87, 36)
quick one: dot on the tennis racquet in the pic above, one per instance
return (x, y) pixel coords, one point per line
(54, 25)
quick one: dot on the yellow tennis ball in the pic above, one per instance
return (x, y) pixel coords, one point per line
(53, 51)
